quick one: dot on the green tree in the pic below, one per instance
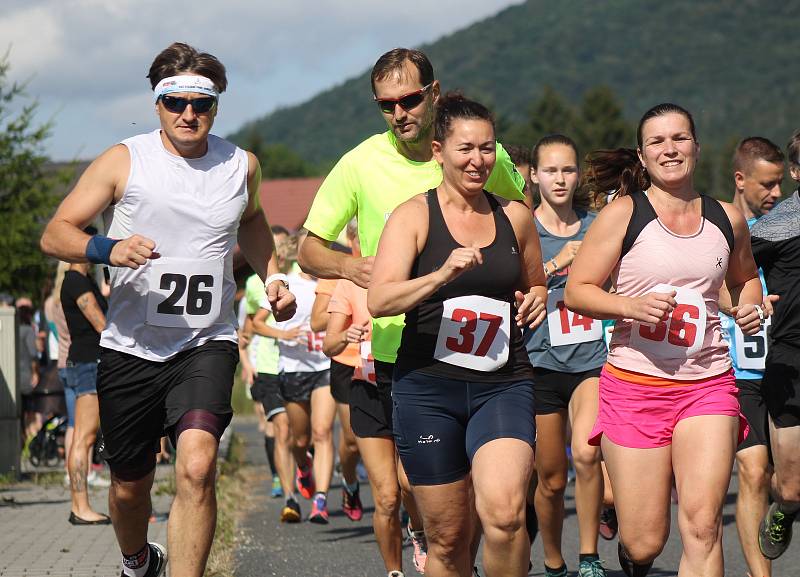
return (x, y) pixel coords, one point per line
(548, 114)
(277, 160)
(27, 192)
(601, 124)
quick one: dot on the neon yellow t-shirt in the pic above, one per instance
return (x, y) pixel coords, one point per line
(369, 182)
(267, 348)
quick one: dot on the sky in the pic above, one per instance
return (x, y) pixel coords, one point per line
(85, 61)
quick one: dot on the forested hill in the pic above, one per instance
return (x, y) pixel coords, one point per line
(733, 63)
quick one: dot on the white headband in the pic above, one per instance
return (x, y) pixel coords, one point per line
(199, 84)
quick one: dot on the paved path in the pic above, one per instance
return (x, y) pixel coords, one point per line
(347, 549)
(36, 539)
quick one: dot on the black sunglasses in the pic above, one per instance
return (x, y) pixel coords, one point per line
(178, 104)
(406, 102)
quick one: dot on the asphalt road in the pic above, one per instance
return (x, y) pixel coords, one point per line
(347, 549)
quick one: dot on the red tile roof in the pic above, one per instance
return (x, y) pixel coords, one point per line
(288, 200)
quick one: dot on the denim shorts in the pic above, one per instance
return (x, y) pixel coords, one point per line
(79, 379)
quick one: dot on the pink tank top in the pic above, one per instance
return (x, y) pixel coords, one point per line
(689, 344)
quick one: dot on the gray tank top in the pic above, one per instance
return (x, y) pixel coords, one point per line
(191, 209)
(564, 342)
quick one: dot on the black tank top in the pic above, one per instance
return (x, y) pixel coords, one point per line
(467, 331)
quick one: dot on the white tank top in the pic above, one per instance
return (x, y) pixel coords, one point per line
(190, 207)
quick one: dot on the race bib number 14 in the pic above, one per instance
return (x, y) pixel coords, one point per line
(474, 333)
(184, 292)
(566, 327)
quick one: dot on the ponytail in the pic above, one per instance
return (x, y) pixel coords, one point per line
(614, 171)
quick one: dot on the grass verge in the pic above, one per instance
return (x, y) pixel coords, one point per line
(230, 497)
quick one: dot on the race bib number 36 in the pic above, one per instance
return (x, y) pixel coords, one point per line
(474, 333)
(184, 292)
(681, 334)
(566, 327)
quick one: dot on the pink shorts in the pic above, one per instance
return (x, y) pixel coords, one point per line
(644, 416)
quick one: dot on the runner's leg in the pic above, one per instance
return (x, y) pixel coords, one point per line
(551, 467)
(348, 449)
(193, 516)
(323, 413)
(379, 458)
(752, 502)
(589, 474)
(500, 503)
(643, 509)
(87, 421)
(710, 440)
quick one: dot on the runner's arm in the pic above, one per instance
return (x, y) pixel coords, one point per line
(741, 278)
(392, 291)
(101, 185)
(319, 312)
(600, 251)
(532, 297)
(336, 336)
(92, 311)
(255, 236)
(261, 327)
(318, 259)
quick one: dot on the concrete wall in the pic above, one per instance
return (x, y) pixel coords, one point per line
(9, 394)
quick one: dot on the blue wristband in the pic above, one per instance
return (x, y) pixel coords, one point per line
(98, 251)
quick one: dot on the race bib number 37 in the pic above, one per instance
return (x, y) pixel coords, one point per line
(474, 333)
(184, 292)
(681, 334)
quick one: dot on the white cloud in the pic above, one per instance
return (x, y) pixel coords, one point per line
(87, 59)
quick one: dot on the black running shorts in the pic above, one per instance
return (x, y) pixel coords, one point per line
(754, 409)
(552, 390)
(371, 405)
(266, 390)
(341, 377)
(141, 400)
(781, 385)
(297, 387)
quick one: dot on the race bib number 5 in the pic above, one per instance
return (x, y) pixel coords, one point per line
(751, 350)
(474, 333)
(184, 292)
(681, 334)
(566, 327)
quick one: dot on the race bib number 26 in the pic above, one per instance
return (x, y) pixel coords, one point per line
(474, 333)
(184, 292)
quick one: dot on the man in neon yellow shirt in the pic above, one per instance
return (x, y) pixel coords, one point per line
(369, 182)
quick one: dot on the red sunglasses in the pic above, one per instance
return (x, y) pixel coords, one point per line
(406, 102)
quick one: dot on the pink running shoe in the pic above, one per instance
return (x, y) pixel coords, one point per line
(304, 481)
(319, 510)
(420, 549)
(351, 505)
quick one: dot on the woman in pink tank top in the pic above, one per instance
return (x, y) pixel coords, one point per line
(667, 394)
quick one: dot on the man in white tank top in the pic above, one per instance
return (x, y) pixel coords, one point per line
(175, 202)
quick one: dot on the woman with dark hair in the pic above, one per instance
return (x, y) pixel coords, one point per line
(465, 267)
(567, 352)
(667, 395)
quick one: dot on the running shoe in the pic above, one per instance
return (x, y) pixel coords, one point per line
(420, 544)
(158, 561)
(319, 510)
(395, 574)
(277, 490)
(608, 523)
(775, 532)
(593, 568)
(351, 504)
(560, 572)
(290, 512)
(304, 481)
